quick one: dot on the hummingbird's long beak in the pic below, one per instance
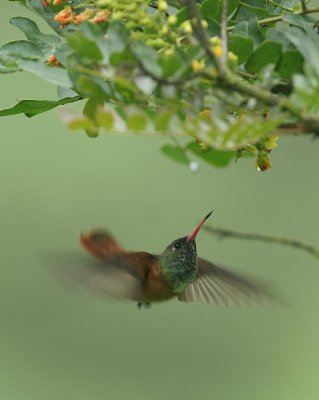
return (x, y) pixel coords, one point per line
(193, 235)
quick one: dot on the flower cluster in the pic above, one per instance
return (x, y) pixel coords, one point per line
(67, 16)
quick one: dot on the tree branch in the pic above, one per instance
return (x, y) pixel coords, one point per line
(228, 233)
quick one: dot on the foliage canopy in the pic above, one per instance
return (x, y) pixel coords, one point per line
(229, 74)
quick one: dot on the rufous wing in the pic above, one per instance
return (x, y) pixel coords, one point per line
(219, 286)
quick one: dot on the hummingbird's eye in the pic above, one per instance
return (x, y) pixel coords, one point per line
(177, 245)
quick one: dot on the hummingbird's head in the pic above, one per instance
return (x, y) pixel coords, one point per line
(179, 260)
(181, 251)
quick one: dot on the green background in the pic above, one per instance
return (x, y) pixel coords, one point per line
(58, 343)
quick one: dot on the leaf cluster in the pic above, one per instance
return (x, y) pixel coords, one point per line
(156, 68)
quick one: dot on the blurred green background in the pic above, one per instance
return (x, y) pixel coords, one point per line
(57, 343)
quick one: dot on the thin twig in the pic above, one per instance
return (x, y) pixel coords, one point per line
(223, 30)
(303, 6)
(297, 244)
(277, 18)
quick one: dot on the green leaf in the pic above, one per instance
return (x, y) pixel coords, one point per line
(289, 64)
(211, 9)
(75, 120)
(105, 118)
(83, 46)
(117, 38)
(64, 92)
(12, 53)
(277, 35)
(250, 9)
(94, 86)
(55, 75)
(47, 43)
(232, 7)
(259, 11)
(136, 121)
(175, 153)
(171, 65)
(218, 158)
(85, 82)
(91, 106)
(267, 53)
(147, 57)
(90, 110)
(250, 29)
(304, 22)
(182, 15)
(163, 120)
(33, 107)
(83, 123)
(305, 40)
(241, 46)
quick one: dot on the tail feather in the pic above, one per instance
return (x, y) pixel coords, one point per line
(100, 244)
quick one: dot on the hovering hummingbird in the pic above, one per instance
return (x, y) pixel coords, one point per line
(147, 278)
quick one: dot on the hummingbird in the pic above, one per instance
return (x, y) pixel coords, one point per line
(176, 273)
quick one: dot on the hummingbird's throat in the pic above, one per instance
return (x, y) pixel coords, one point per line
(193, 235)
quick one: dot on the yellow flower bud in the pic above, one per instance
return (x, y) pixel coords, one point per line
(168, 52)
(172, 19)
(187, 27)
(204, 23)
(164, 30)
(218, 51)
(215, 40)
(198, 65)
(162, 5)
(232, 57)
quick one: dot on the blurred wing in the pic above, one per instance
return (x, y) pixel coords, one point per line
(219, 286)
(120, 276)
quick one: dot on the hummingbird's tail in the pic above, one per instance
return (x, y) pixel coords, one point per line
(100, 244)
